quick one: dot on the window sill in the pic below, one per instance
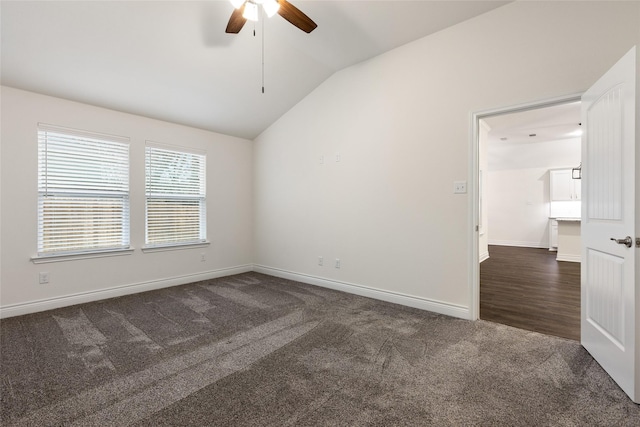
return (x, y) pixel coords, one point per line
(84, 255)
(176, 247)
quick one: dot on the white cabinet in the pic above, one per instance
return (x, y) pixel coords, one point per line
(563, 187)
(569, 246)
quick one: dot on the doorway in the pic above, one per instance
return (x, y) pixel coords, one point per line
(521, 280)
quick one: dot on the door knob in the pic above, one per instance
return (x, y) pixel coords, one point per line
(627, 241)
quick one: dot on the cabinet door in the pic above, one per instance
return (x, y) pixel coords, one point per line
(577, 189)
(562, 187)
(553, 234)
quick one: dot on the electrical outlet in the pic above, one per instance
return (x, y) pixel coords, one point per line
(337, 263)
(459, 187)
(338, 158)
(203, 258)
(320, 261)
(44, 277)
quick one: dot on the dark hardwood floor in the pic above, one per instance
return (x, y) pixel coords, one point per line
(527, 288)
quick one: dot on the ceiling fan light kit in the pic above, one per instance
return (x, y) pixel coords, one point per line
(271, 7)
(248, 10)
(251, 8)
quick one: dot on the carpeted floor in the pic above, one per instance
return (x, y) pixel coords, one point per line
(254, 350)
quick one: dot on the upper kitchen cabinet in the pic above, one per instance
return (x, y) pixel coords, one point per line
(563, 186)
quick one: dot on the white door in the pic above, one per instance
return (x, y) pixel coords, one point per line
(609, 285)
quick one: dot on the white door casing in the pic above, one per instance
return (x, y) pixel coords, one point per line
(474, 201)
(608, 282)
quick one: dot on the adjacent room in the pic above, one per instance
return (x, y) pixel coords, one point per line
(274, 213)
(531, 188)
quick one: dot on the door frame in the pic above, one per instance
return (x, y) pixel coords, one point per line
(474, 173)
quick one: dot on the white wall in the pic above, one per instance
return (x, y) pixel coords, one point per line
(519, 207)
(229, 207)
(401, 123)
(518, 189)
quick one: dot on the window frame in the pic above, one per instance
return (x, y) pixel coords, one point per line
(201, 240)
(107, 189)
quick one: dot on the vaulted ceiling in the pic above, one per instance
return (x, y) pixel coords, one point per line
(172, 60)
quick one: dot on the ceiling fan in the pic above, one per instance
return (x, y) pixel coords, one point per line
(248, 10)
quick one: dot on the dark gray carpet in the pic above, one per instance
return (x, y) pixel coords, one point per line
(254, 350)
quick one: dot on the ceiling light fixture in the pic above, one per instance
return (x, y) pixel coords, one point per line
(251, 8)
(576, 173)
(250, 11)
(271, 7)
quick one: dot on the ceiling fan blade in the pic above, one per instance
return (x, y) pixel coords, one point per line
(236, 22)
(296, 17)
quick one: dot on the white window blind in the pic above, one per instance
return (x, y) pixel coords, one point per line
(83, 192)
(176, 197)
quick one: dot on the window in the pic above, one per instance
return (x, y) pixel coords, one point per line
(176, 197)
(83, 192)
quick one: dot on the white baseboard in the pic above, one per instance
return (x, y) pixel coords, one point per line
(517, 243)
(483, 256)
(568, 257)
(365, 291)
(118, 291)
